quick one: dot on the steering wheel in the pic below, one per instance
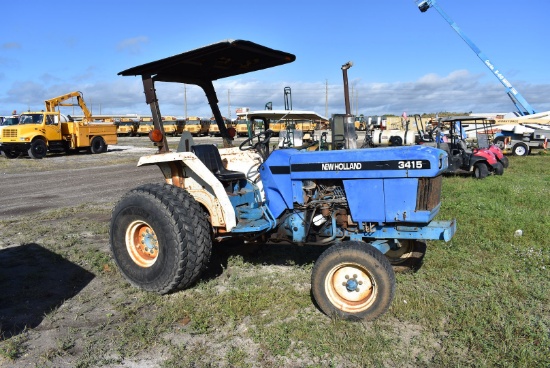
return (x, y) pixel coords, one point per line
(262, 140)
(261, 144)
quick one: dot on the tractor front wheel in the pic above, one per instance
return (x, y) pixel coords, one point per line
(354, 281)
(408, 257)
(160, 239)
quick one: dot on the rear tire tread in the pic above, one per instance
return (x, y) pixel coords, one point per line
(190, 231)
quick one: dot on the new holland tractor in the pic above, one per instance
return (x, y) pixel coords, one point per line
(371, 209)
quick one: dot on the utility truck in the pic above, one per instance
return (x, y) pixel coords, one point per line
(521, 135)
(372, 209)
(49, 130)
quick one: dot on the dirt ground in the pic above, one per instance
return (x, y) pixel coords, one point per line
(47, 301)
(36, 280)
(29, 192)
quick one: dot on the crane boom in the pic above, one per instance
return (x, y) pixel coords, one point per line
(52, 103)
(523, 107)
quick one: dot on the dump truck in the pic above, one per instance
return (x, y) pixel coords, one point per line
(50, 131)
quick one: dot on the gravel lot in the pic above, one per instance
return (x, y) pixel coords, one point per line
(29, 186)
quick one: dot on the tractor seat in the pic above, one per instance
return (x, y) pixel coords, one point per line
(210, 157)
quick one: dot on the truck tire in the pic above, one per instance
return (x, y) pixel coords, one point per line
(38, 149)
(11, 154)
(160, 238)
(480, 170)
(354, 281)
(500, 143)
(520, 149)
(98, 145)
(408, 257)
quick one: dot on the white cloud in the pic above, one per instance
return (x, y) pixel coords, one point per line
(459, 91)
(132, 45)
(11, 45)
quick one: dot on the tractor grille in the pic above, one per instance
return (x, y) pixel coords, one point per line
(9, 133)
(429, 193)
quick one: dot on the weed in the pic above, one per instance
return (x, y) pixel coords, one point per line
(14, 347)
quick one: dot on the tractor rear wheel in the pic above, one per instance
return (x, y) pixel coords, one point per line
(354, 281)
(480, 170)
(408, 257)
(160, 238)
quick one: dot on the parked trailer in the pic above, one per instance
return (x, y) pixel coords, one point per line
(521, 138)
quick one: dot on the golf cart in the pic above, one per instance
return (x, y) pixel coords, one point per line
(450, 135)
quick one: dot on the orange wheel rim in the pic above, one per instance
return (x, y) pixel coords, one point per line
(142, 243)
(350, 288)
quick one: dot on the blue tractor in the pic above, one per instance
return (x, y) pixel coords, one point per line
(371, 209)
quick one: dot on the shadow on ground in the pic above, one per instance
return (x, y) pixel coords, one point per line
(33, 282)
(279, 254)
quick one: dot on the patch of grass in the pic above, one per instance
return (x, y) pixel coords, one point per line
(236, 357)
(493, 285)
(12, 348)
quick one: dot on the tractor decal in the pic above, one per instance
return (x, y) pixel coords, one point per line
(339, 166)
(362, 166)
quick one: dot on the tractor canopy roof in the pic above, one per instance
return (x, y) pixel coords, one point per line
(219, 60)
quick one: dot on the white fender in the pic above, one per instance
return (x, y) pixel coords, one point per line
(199, 181)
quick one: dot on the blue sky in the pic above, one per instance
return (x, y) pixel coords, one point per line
(404, 60)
